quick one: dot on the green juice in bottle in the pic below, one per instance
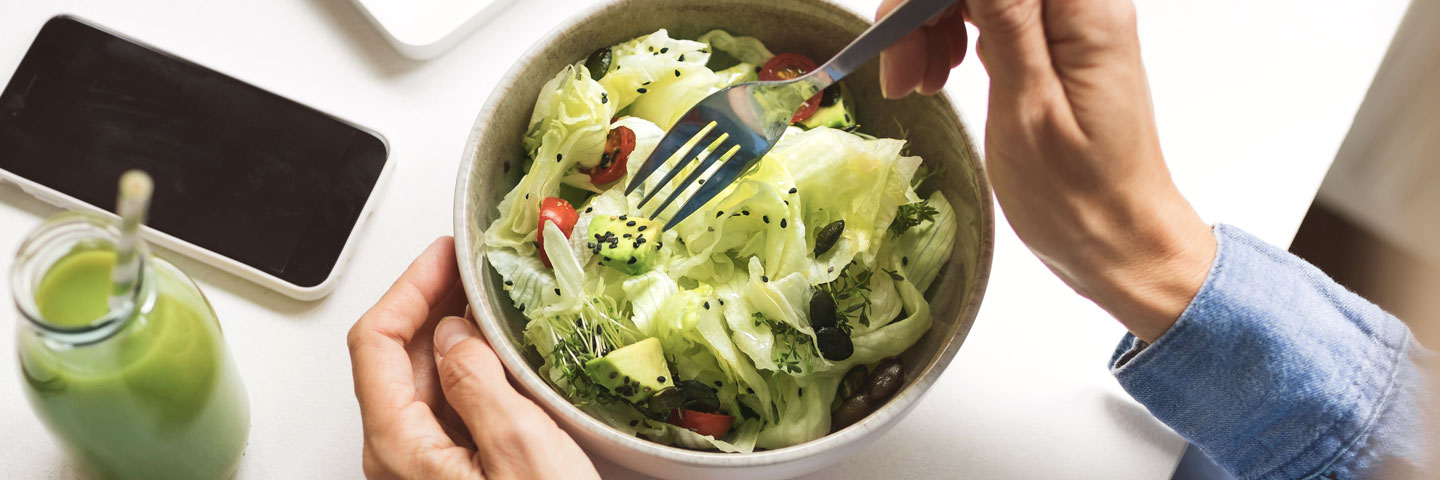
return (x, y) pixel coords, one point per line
(145, 390)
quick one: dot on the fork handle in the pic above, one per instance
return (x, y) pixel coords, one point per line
(904, 19)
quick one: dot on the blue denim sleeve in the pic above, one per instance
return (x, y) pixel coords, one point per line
(1277, 372)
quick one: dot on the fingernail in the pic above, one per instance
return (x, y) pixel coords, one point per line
(451, 331)
(885, 89)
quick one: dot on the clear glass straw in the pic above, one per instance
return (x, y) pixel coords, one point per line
(132, 204)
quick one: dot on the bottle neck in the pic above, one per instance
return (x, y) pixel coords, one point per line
(59, 237)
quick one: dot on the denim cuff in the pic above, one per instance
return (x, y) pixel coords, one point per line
(1273, 370)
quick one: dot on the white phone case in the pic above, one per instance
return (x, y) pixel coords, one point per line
(156, 237)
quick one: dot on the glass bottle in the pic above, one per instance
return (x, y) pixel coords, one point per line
(145, 389)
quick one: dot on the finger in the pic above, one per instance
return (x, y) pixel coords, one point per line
(958, 36)
(513, 436)
(902, 66)
(1015, 51)
(384, 381)
(937, 64)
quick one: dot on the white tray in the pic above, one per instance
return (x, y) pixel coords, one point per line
(423, 29)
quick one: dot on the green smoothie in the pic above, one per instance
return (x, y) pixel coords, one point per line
(159, 399)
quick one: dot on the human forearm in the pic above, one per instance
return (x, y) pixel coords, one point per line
(1276, 371)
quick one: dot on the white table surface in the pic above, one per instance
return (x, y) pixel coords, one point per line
(1253, 100)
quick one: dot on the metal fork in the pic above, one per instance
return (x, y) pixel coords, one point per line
(750, 117)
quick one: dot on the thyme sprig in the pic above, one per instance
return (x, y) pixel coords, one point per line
(910, 215)
(788, 351)
(851, 285)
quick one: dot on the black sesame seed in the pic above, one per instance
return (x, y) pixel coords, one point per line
(718, 384)
(626, 235)
(636, 245)
(614, 374)
(682, 57)
(793, 189)
(750, 390)
(707, 305)
(630, 223)
(631, 262)
(642, 228)
(782, 223)
(589, 209)
(660, 379)
(641, 90)
(764, 278)
(522, 307)
(766, 218)
(557, 291)
(719, 214)
(658, 244)
(664, 49)
(604, 98)
(847, 118)
(677, 73)
(626, 379)
(622, 217)
(722, 301)
(646, 83)
(509, 283)
(702, 181)
(527, 196)
(745, 212)
(904, 261)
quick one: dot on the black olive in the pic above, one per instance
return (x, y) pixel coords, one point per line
(822, 309)
(698, 396)
(831, 95)
(853, 383)
(598, 63)
(835, 345)
(828, 236)
(886, 380)
(851, 410)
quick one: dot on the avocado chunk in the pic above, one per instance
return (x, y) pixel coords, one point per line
(837, 109)
(634, 371)
(627, 244)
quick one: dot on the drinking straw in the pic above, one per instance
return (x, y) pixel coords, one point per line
(132, 204)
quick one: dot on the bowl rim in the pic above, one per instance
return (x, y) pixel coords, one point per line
(555, 404)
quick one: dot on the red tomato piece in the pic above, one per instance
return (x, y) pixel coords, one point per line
(560, 212)
(786, 66)
(712, 424)
(618, 146)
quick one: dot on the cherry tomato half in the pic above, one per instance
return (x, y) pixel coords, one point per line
(618, 145)
(559, 211)
(712, 424)
(786, 66)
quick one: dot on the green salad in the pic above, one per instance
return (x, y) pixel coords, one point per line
(772, 316)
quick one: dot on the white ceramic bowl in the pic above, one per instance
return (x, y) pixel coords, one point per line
(817, 28)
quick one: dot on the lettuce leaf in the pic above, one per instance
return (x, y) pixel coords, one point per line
(567, 128)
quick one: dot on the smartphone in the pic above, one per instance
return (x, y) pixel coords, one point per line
(245, 180)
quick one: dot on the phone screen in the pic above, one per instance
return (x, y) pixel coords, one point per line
(238, 170)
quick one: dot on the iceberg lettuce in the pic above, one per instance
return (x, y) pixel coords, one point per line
(728, 290)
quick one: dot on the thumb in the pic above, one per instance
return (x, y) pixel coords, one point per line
(1013, 47)
(509, 430)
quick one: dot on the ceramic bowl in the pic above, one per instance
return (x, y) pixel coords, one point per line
(817, 28)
